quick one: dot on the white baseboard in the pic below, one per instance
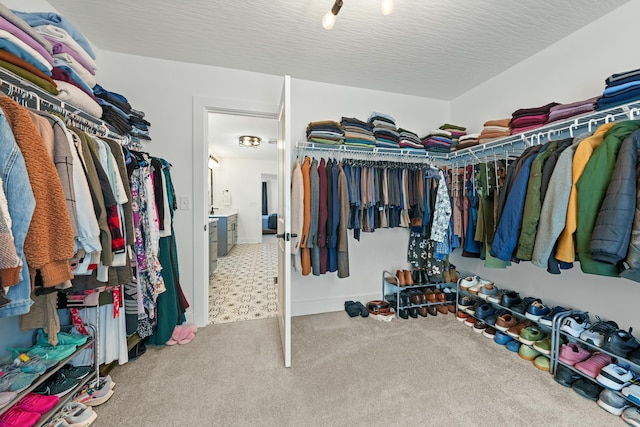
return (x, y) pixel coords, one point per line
(302, 308)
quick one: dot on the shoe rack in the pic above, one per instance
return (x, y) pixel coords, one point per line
(559, 335)
(412, 294)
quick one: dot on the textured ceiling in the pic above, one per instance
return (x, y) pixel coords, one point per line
(224, 130)
(431, 48)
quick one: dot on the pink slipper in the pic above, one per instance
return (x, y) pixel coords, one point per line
(178, 332)
(187, 339)
(191, 327)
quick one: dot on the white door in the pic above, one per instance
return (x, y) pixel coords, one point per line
(284, 221)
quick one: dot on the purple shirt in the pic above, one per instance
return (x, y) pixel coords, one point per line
(26, 38)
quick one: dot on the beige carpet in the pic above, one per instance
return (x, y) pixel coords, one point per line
(242, 286)
(346, 372)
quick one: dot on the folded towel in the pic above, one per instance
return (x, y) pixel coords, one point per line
(500, 122)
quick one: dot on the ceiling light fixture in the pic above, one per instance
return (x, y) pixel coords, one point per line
(249, 141)
(329, 19)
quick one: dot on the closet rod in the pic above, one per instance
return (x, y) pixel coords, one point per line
(374, 153)
(15, 85)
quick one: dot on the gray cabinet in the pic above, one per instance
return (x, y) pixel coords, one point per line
(213, 245)
(227, 233)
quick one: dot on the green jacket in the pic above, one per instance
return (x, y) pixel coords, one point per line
(592, 188)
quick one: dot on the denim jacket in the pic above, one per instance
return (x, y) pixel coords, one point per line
(21, 205)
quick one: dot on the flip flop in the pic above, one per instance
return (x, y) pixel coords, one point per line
(178, 332)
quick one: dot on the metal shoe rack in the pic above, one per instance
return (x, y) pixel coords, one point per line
(391, 289)
(559, 334)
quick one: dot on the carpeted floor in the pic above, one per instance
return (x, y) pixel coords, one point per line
(346, 372)
(242, 286)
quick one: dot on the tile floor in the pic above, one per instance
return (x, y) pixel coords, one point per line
(242, 286)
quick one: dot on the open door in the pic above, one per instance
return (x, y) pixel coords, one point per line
(284, 221)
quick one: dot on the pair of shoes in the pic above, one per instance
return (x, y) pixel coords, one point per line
(597, 332)
(404, 278)
(95, 395)
(502, 338)
(593, 365)
(614, 377)
(587, 389)
(183, 334)
(482, 284)
(450, 274)
(489, 332)
(506, 321)
(631, 416)
(479, 326)
(487, 290)
(34, 402)
(571, 353)
(74, 414)
(510, 298)
(461, 316)
(542, 363)
(57, 385)
(64, 338)
(547, 319)
(513, 346)
(19, 417)
(484, 310)
(536, 310)
(466, 282)
(515, 330)
(521, 308)
(403, 313)
(565, 376)
(575, 324)
(612, 402)
(419, 276)
(470, 321)
(530, 334)
(620, 342)
(15, 380)
(527, 353)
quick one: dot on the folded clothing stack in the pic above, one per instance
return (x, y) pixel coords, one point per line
(566, 111)
(73, 60)
(409, 139)
(325, 132)
(357, 132)
(526, 119)
(24, 52)
(621, 88)
(456, 132)
(494, 129)
(466, 141)
(384, 130)
(438, 141)
(118, 113)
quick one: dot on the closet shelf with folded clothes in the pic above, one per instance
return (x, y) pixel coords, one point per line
(27, 93)
(508, 145)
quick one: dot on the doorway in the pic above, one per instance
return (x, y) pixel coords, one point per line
(242, 286)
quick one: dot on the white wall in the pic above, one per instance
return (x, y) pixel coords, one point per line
(386, 248)
(573, 69)
(243, 179)
(272, 191)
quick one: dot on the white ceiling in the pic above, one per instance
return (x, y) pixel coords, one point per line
(225, 129)
(431, 48)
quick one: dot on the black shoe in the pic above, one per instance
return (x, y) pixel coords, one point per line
(351, 308)
(403, 313)
(522, 307)
(413, 312)
(510, 299)
(391, 299)
(363, 310)
(565, 376)
(587, 389)
(620, 342)
(404, 299)
(417, 277)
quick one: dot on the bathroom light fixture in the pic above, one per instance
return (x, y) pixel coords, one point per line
(329, 19)
(213, 162)
(249, 141)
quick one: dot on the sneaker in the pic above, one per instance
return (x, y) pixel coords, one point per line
(464, 302)
(475, 290)
(522, 307)
(612, 402)
(594, 364)
(18, 417)
(543, 345)
(515, 330)
(35, 364)
(510, 299)
(489, 332)
(492, 318)
(34, 402)
(77, 372)
(76, 413)
(597, 332)
(631, 416)
(506, 321)
(16, 380)
(497, 297)
(501, 338)
(92, 396)
(536, 310)
(527, 353)
(479, 326)
(531, 334)
(64, 338)
(547, 319)
(466, 282)
(7, 397)
(484, 310)
(565, 376)
(632, 392)
(575, 324)
(472, 308)
(614, 377)
(461, 316)
(470, 321)
(571, 354)
(513, 346)
(57, 385)
(57, 352)
(542, 363)
(620, 342)
(487, 290)
(587, 389)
